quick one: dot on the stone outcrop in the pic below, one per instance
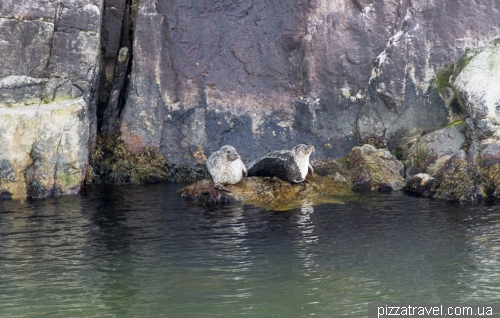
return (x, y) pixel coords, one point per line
(50, 65)
(375, 169)
(477, 86)
(429, 153)
(273, 193)
(463, 157)
(45, 149)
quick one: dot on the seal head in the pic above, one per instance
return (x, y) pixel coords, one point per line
(289, 165)
(225, 167)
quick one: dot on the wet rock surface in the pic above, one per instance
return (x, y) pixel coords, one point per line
(420, 184)
(272, 193)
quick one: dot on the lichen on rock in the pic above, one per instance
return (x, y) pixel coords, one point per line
(46, 149)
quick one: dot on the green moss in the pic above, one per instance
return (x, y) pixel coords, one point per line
(465, 59)
(68, 180)
(496, 41)
(455, 123)
(443, 77)
(342, 161)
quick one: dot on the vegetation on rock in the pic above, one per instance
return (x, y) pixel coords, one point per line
(113, 162)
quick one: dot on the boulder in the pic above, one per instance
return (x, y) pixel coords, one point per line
(375, 169)
(490, 151)
(420, 184)
(477, 85)
(273, 193)
(461, 181)
(432, 151)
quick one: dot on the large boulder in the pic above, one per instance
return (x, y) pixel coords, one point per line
(375, 169)
(462, 181)
(430, 152)
(48, 76)
(477, 84)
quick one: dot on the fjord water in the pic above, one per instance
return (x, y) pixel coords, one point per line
(142, 251)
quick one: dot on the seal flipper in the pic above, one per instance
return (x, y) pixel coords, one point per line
(220, 187)
(310, 169)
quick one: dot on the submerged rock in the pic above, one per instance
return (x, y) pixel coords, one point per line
(375, 169)
(272, 193)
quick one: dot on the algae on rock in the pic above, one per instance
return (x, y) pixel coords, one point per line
(113, 162)
(273, 193)
(45, 149)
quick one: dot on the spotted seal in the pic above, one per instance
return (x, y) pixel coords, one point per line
(225, 167)
(289, 165)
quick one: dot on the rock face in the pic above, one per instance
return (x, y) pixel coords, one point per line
(270, 75)
(48, 75)
(45, 149)
(186, 77)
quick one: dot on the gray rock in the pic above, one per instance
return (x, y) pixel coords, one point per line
(432, 151)
(271, 75)
(486, 127)
(48, 76)
(375, 169)
(491, 151)
(477, 83)
(420, 184)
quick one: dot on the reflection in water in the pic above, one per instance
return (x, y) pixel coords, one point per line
(144, 252)
(485, 256)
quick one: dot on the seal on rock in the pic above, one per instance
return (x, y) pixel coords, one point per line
(225, 167)
(288, 165)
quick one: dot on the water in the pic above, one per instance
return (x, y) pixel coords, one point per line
(145, 252)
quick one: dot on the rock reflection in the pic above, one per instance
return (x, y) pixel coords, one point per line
(230, 260)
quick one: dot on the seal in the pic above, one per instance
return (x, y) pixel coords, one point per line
(289, 165)
(225, 167)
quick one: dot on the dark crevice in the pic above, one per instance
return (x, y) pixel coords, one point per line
(116, 55)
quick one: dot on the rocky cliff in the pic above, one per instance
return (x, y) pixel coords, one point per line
(48, 76)
(187, 77)
(264, 75)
